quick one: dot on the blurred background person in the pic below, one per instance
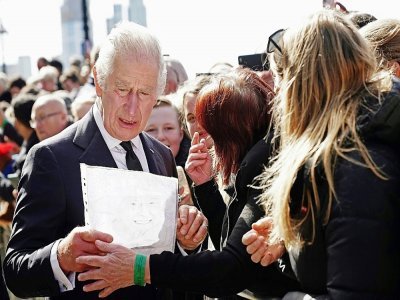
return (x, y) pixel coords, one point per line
(7, 129)
(49, 116)
(5, 94)
(16, 86)
(7, 150)
(22, 109)
(60, 69)
(48, 78)
(80, 107)
(42, 62)
(176, 75)
(7, 199)
(384, 36)
(75, 61)
(70, 81)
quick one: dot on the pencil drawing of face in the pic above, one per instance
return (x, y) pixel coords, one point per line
(143, 210)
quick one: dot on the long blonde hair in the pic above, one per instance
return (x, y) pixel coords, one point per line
(384, 37)
(325, 69)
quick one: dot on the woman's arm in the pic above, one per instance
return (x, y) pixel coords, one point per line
(225, 272)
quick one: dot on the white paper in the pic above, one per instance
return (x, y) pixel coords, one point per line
(137, 208)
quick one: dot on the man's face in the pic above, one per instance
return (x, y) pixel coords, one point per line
(50, 119)
(128, 96)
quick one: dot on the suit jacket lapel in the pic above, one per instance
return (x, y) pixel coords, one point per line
(154, 158)
(88, 137)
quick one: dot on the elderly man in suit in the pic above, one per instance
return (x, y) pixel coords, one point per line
(47, 237)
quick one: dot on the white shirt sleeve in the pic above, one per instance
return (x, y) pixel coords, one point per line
(66, 283)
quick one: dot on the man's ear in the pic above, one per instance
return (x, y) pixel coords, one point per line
(99, 90)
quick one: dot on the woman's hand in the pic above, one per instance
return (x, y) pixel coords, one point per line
(257, 244)
(192, 227)
(199, 163)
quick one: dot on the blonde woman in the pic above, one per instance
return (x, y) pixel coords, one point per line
(332, 192)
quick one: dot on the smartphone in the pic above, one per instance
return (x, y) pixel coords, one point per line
(256, 62)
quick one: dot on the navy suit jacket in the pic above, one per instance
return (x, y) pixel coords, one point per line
(50, 205)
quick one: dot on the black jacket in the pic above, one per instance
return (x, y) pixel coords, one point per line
(229, 271)
(356, 255)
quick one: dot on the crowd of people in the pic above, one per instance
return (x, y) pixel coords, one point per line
(292, 174)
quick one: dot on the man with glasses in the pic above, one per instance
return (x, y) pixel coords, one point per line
(49, 116)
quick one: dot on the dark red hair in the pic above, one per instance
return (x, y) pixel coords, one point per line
(234, 109)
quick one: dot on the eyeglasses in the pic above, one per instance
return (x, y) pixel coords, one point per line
(35, 121)
(273, 41)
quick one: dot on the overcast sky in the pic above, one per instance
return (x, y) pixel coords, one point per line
(198, 33)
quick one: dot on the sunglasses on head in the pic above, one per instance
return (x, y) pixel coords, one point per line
(273, 41)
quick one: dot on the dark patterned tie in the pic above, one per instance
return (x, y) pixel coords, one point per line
(132, 161)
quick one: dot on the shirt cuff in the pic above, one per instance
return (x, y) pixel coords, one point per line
(66, 283)
(184, 253)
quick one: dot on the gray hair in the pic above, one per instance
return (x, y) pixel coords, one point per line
(48, 73)
(47, 98)
(128, 38)
(174, 65)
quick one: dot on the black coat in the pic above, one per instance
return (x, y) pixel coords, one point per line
(229, 271)
(356, 255)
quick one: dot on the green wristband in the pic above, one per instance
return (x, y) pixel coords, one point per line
(139, 269)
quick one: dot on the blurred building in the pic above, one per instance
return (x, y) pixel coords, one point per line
(73, 36)
(137, 12)
(116, 18)
(22, 68)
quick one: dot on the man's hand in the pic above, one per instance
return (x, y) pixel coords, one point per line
(192, 227)
(112, 271)
(79, 242)
(257, 244)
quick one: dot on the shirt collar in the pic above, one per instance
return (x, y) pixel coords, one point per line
(111, 142)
